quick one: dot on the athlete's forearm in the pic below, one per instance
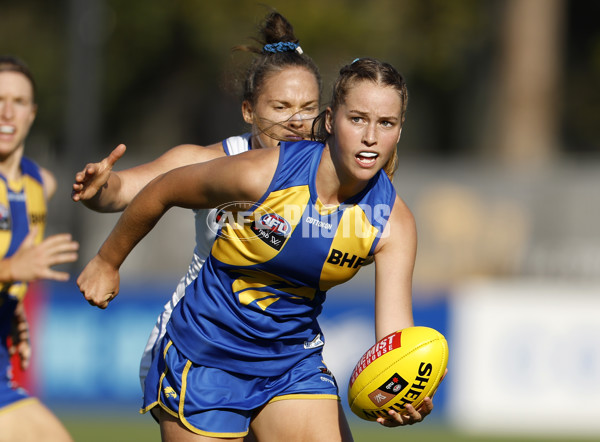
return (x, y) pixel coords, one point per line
(138, 219)
(394, 265)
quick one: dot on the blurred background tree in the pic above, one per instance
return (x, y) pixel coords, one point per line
(153, 73)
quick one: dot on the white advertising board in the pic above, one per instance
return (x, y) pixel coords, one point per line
(525, 358)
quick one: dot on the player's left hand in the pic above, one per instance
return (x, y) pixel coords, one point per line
(412, 416)
(90, 180)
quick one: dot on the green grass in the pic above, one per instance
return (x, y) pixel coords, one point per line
(426, 432)
(104, 428)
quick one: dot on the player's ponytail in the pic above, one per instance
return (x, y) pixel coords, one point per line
(277, 49)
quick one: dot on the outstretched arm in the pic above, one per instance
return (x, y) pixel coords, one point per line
(244, 177)
(101, 189)
(394, 263)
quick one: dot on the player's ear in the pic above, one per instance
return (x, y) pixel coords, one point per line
(247, 112)
(329, 121)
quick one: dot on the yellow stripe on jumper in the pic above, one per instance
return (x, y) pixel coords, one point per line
(36, 205)
(5, 235)
(239, 245)
(349, 248)
(265, 288)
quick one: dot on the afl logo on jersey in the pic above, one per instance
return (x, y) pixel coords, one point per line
(272, 229)
(275, 223)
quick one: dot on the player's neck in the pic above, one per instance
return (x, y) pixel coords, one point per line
(10, 166)
(333, 187)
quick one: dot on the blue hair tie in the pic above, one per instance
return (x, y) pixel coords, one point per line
(282, 46)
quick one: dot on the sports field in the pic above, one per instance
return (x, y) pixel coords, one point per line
(117, 429)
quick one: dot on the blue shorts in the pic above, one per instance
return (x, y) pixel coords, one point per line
(217, 403)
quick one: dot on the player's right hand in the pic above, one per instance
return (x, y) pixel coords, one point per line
(99, 282)
(34, 261)
(95, 175)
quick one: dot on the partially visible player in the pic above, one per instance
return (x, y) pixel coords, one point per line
(25, 255)
(280, 101)
(243, 346)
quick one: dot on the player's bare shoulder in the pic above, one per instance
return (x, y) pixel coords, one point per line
(401, 229)
(186, 154)
(215, 149)
(254, 169)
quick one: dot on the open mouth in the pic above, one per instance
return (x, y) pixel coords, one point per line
(7, 130)
(367, 158)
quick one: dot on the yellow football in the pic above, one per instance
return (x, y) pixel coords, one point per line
(402, 368)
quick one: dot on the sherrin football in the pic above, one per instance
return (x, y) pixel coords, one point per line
(402, 368)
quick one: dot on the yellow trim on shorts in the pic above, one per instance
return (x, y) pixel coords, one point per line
(168, 410)
(182, 418)
(219, 435)
(160, 382)
(179, 413)
(148, 408)
(18, 404)
(304, 396)
(164, 373)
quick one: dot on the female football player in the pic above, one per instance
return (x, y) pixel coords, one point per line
(243, 346)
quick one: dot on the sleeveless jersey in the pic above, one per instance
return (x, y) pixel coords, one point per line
(22, 205)
(253, 307)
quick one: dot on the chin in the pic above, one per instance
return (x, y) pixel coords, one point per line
(366, 174)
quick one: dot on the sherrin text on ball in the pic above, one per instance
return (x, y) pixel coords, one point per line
(402, 368)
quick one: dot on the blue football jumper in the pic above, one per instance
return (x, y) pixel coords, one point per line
(253, 308)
